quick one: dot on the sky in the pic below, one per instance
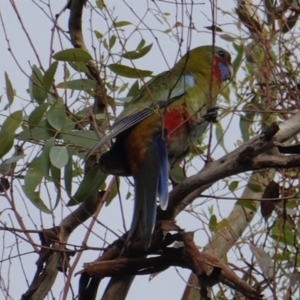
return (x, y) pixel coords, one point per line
(168, 285)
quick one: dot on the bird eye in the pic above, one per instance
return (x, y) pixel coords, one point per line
(221, 53)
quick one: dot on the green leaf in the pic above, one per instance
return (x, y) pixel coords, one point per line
(78, 84)
(56, 116)
(134, 89)
(13, 159)
(255, 188)
(112, 41)
(32, 180)
(178, 173)
(43, 131)
(222, 224)
(59, 156)
(233, 186)
(36, 85)
(90, 183)
(220, 136)
(122, 23)
(250, 204)
(227, 37)
(73, 54)
(98, 35)
(129, 72)
(112, 87)
(68, 125)
(79, 67)
(66, 72)
(56, 176)
(239, 58)
(244, 127)
(212, 223)
(45, 158)
(141, 44)
(100, 4)
(37, 114)
(138, 53)
(10, 92)
(283, 233)
(105, 44)
(49, 75)
(68, 172)
(6, 165)
(7, 133)
(85, 139)
(113, 191)
(123, 87)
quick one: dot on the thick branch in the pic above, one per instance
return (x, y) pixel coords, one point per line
(209, 270)
(238, 161)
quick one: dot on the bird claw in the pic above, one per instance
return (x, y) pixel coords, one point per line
(212, 114)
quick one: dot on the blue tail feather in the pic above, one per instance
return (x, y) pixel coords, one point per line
(162, 155)
(151, 182)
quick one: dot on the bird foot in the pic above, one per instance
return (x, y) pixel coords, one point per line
(212, 115)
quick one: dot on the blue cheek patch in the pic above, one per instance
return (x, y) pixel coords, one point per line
(225, 72)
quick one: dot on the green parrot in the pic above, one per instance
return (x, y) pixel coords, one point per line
(159, 126)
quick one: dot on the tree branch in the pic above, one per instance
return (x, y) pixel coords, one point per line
(51, 261)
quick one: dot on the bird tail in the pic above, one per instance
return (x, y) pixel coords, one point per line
(151, 182)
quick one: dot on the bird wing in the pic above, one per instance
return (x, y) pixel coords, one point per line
(157, 93)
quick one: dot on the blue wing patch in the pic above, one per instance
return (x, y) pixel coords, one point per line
(189, 80)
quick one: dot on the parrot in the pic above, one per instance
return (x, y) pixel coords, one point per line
(158, 127)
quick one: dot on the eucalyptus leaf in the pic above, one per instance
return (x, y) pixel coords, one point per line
(59, 156)
(32, 180)
(49, 75)
(220, 136)
(78, 85)
(45, 158)
(90, 183)
(129, 72)
(68, 172)
(73, 54)
(37, 114)
(10, 92)
(134, 89)
(86, 139)
(122, 23)
(239, 58)
(113, 191)
(137, 53)
(8, 129)
(250, 204)
(36, 86)
(57, 114)
(43, 131)
(56, 176)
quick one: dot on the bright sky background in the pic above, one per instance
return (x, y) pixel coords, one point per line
(165, 286)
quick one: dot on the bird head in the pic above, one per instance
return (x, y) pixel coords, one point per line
(208, 60)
